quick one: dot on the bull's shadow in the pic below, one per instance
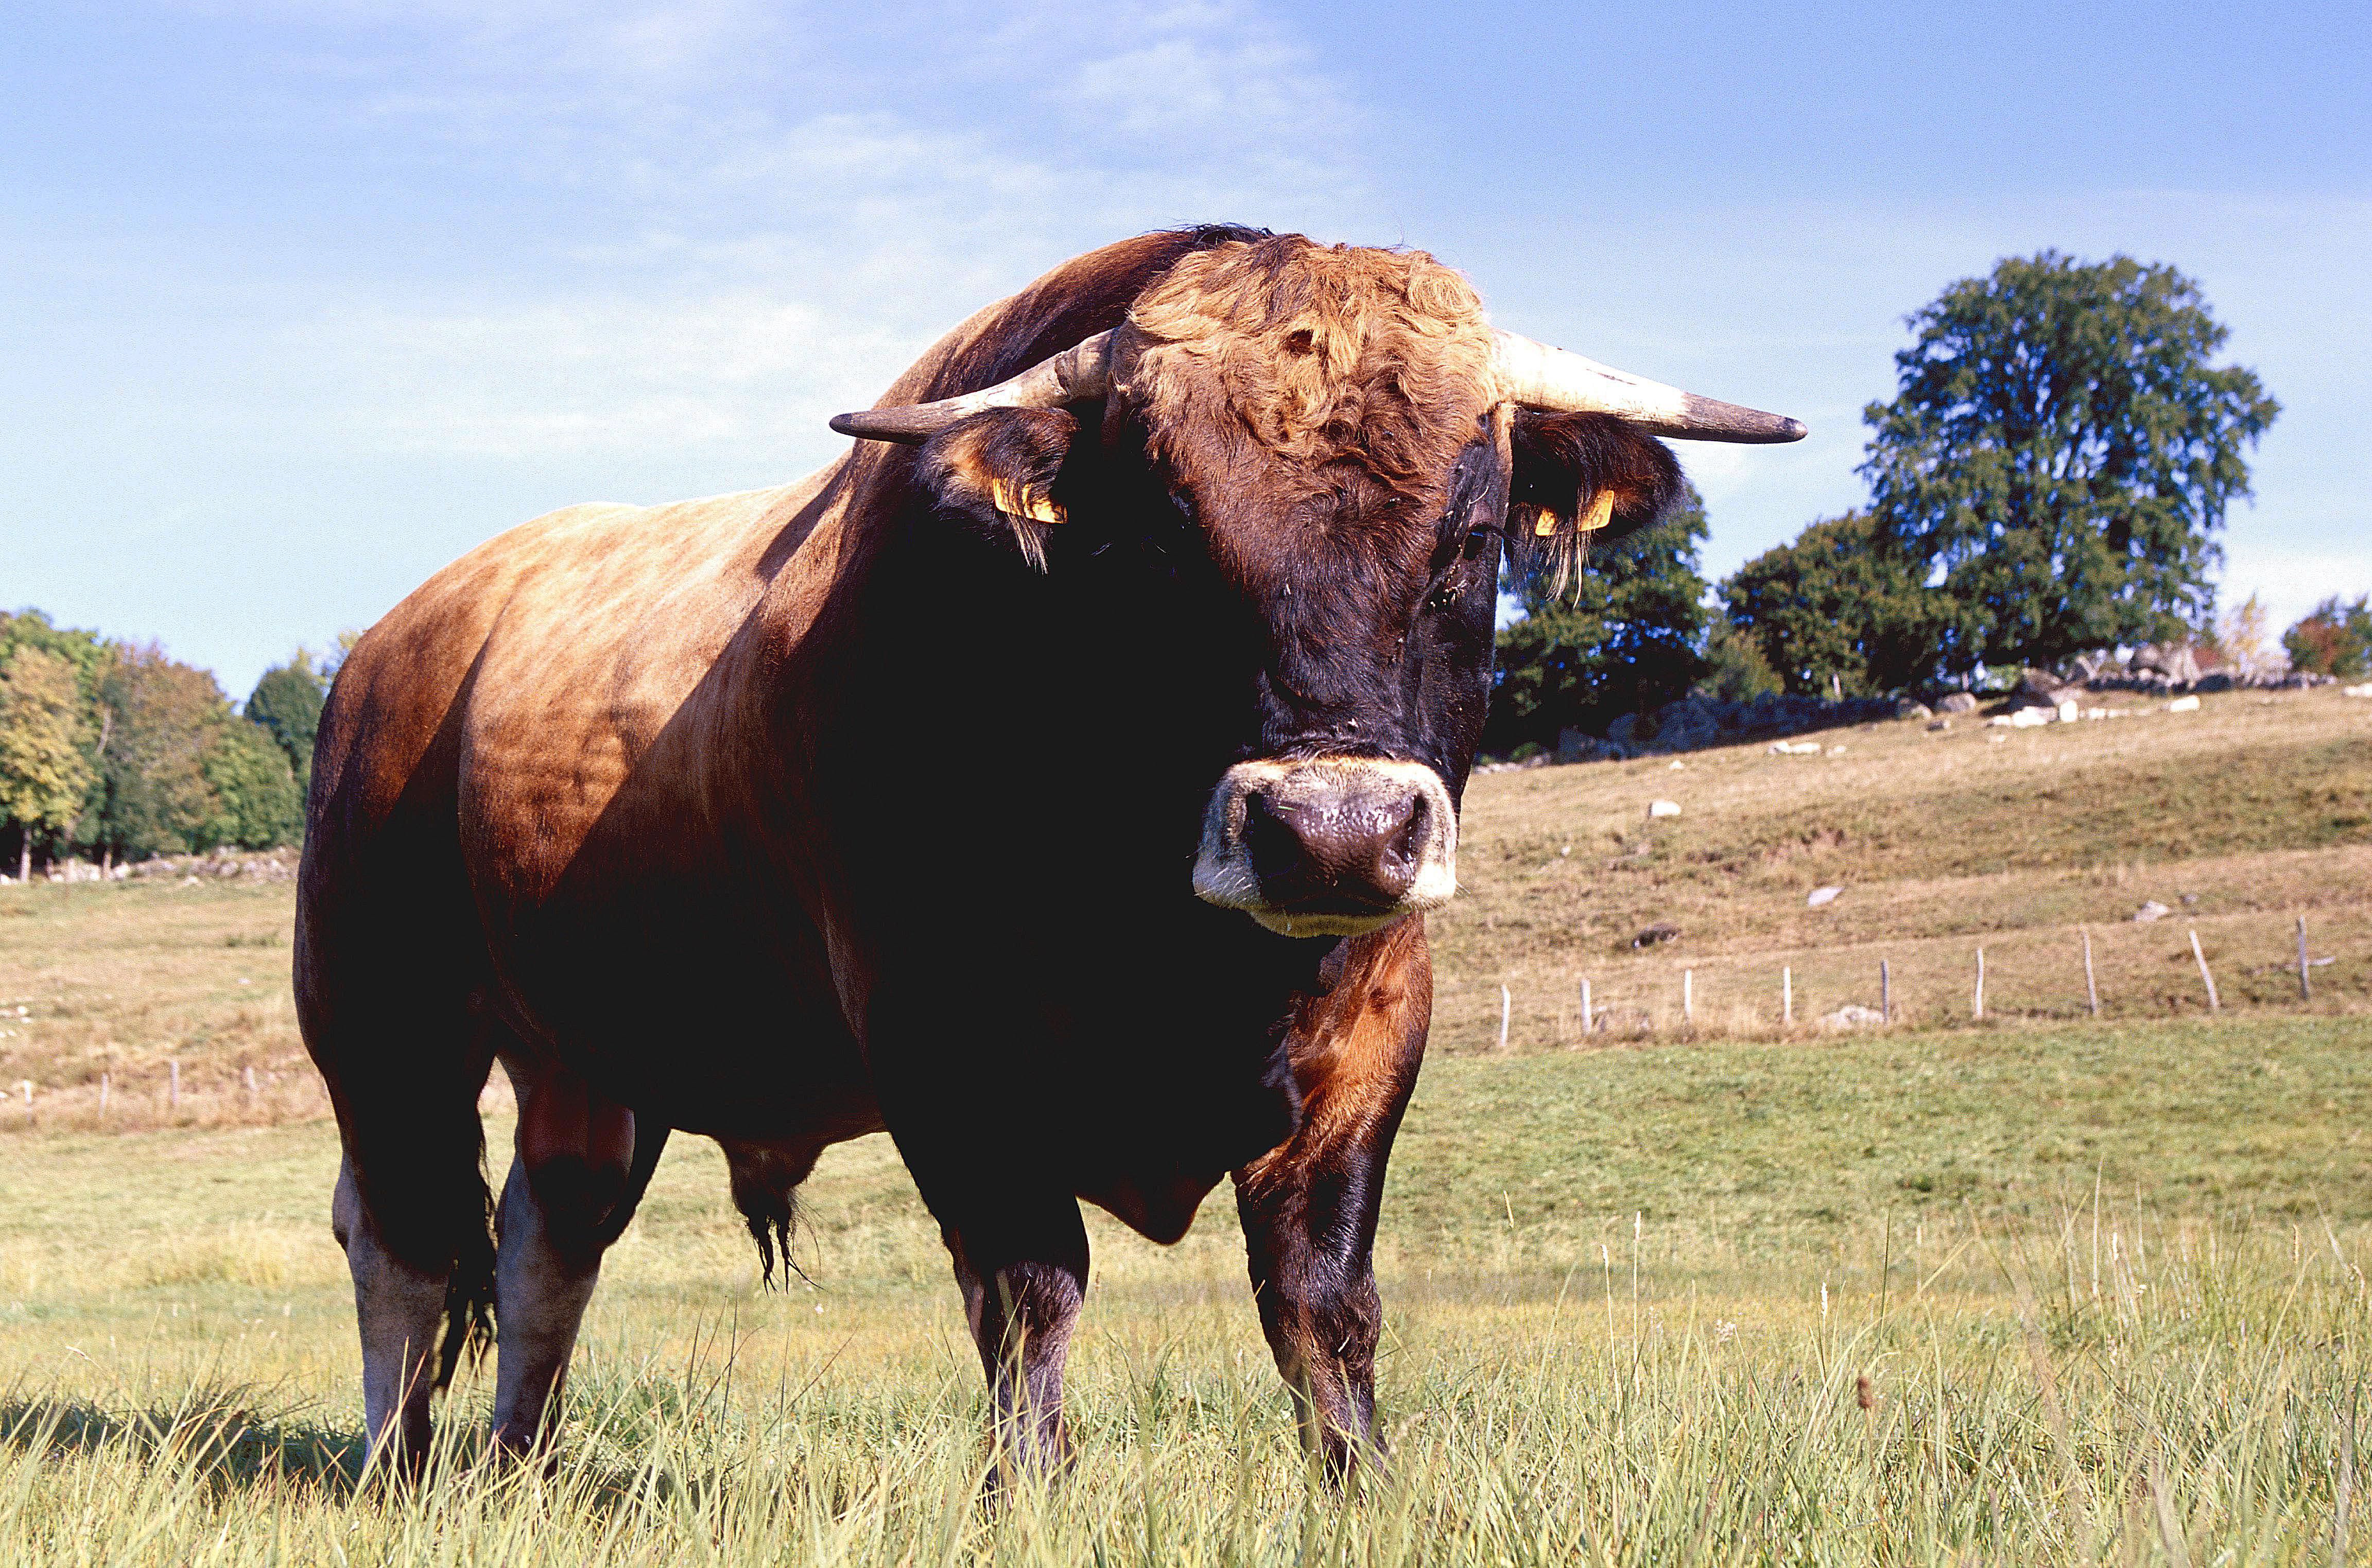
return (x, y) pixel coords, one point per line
(219, 1437)
(215, 1431)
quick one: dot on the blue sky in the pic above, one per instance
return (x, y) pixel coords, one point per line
(299, 301)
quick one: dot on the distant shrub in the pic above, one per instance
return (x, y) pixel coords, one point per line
(2335, 640)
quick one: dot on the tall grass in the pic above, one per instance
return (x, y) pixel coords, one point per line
(2118, 1390)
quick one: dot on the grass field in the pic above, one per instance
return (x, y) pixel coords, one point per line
(2044, 1290)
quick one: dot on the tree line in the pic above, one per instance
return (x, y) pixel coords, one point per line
(2052, 476)
(114, 751)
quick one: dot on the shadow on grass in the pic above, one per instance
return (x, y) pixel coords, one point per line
(220, 1441)
(215, 1432)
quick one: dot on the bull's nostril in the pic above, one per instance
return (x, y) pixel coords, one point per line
(1271, 838)
(1408, 845)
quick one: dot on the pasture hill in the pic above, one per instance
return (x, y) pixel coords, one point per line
(2237, 820)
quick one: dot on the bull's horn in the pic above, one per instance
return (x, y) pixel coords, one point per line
(1083, 370)
(1539, 376)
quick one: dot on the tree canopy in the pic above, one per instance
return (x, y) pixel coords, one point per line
(2059, 454)
(1841, 602)
(45, 768)
(288, 703)
(1622, 639)
(2336, 639)
(257, 802)
(114, 748)
(163, 718)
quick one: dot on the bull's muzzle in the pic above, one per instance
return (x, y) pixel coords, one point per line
(1330, 847)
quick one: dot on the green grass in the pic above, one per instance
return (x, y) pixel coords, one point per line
(1633, 1295)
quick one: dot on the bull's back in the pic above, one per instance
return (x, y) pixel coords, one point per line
(526, 778)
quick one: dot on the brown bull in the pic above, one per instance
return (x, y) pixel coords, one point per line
(884, 800)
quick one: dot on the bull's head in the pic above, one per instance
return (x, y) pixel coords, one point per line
(1355, 449)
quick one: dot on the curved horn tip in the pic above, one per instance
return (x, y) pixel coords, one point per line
(883, 424)
(1709, 419)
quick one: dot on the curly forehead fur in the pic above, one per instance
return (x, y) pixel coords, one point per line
(1342, 361)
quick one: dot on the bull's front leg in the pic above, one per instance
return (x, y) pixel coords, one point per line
(1310, 1207)
(1023, 1279)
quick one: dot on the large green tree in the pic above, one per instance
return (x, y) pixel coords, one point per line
(163, 718)
(45, 771)
(89, 656)
(257, 803)
(1622, 638)
(2061, 450)
(1841, 602)
(287, 702)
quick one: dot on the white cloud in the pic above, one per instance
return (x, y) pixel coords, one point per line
(769, 245)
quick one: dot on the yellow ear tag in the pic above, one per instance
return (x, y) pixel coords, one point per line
(1545, 525)
(1013, 501)
(1601, 512)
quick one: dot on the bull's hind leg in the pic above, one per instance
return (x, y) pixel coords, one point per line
(398, 1307)
(410, 1211)
(1310, 1207)
(579, 1167)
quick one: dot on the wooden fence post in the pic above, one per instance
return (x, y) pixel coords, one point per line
(1786, 996)
(1687, 996)
(173, 1090)
(1885, 991)
(1587, 1022)
(103, 1088)
(2213, 1005)
(1978, 1008)
(2091, 987)
(1506, 1007)
(249, 1075)
(2305, 987)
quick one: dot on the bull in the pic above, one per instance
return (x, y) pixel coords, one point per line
(1058, 780)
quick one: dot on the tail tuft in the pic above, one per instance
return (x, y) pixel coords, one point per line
(469, 1289)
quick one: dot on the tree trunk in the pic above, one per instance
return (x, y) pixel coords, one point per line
(25, 856)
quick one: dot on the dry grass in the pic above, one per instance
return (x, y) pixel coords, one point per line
(122, 979)
(2239, 818)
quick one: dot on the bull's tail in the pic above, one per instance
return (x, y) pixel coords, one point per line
(469, 1289)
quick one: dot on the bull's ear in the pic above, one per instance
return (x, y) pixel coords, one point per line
(1000, 466)
(1582, 478)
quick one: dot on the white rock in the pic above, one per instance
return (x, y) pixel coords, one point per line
(1836, 750)
(1853, 1015)
(2363, 691)
(1997, 740)
(1821, 896)
(1795, 748)
(1677, 765)
(1663, 808)
(2150, 911)
(2031, 718)
(2069, 713)
(2183, 705)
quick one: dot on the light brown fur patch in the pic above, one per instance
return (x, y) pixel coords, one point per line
(1380, 358)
